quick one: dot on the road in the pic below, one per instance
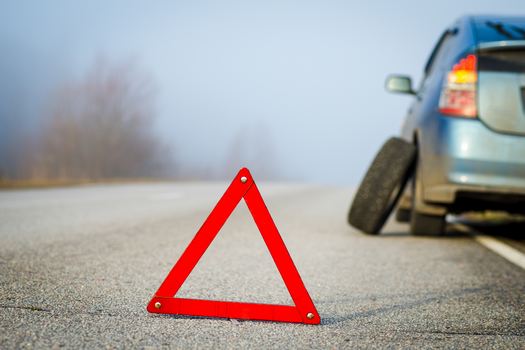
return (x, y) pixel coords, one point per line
(78, 266)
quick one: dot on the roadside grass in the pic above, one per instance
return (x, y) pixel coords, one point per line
(50, 183)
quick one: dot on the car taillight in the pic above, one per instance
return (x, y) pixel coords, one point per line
(458, 97)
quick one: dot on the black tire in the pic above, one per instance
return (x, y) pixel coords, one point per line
(382, 185)
(427, 225)
(403, 215)
(424, 224)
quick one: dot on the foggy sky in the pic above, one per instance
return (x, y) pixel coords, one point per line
(308, 74)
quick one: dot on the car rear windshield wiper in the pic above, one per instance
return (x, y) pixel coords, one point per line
(500, 28)
(518, 29)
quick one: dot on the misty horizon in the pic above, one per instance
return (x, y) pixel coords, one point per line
(292, 90)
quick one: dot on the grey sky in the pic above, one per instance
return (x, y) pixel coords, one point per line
(308, 73)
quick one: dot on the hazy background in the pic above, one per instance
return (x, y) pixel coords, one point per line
(195, 89)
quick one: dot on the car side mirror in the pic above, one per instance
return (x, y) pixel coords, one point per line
(400, 84)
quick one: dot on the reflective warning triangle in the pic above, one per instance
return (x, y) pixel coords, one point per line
(165, 302)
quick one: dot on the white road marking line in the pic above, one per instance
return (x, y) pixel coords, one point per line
(513, 255)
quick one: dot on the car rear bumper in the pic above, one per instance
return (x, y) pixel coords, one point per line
(465, 156)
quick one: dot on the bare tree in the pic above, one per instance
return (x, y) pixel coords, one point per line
(253, 147)
(102, 126)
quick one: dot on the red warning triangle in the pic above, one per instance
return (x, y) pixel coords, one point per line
(242, 186)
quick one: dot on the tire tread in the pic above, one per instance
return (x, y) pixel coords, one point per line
(390, 170)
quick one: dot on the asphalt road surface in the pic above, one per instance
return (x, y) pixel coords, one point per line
(78, 266)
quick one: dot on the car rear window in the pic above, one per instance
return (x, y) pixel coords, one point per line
(500, 29)
(502, 60)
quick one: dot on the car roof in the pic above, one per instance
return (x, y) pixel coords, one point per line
(497, 28)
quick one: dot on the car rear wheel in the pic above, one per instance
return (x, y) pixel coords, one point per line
(382, 185)
(426, 225)
(403, 215)
(423, 224)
